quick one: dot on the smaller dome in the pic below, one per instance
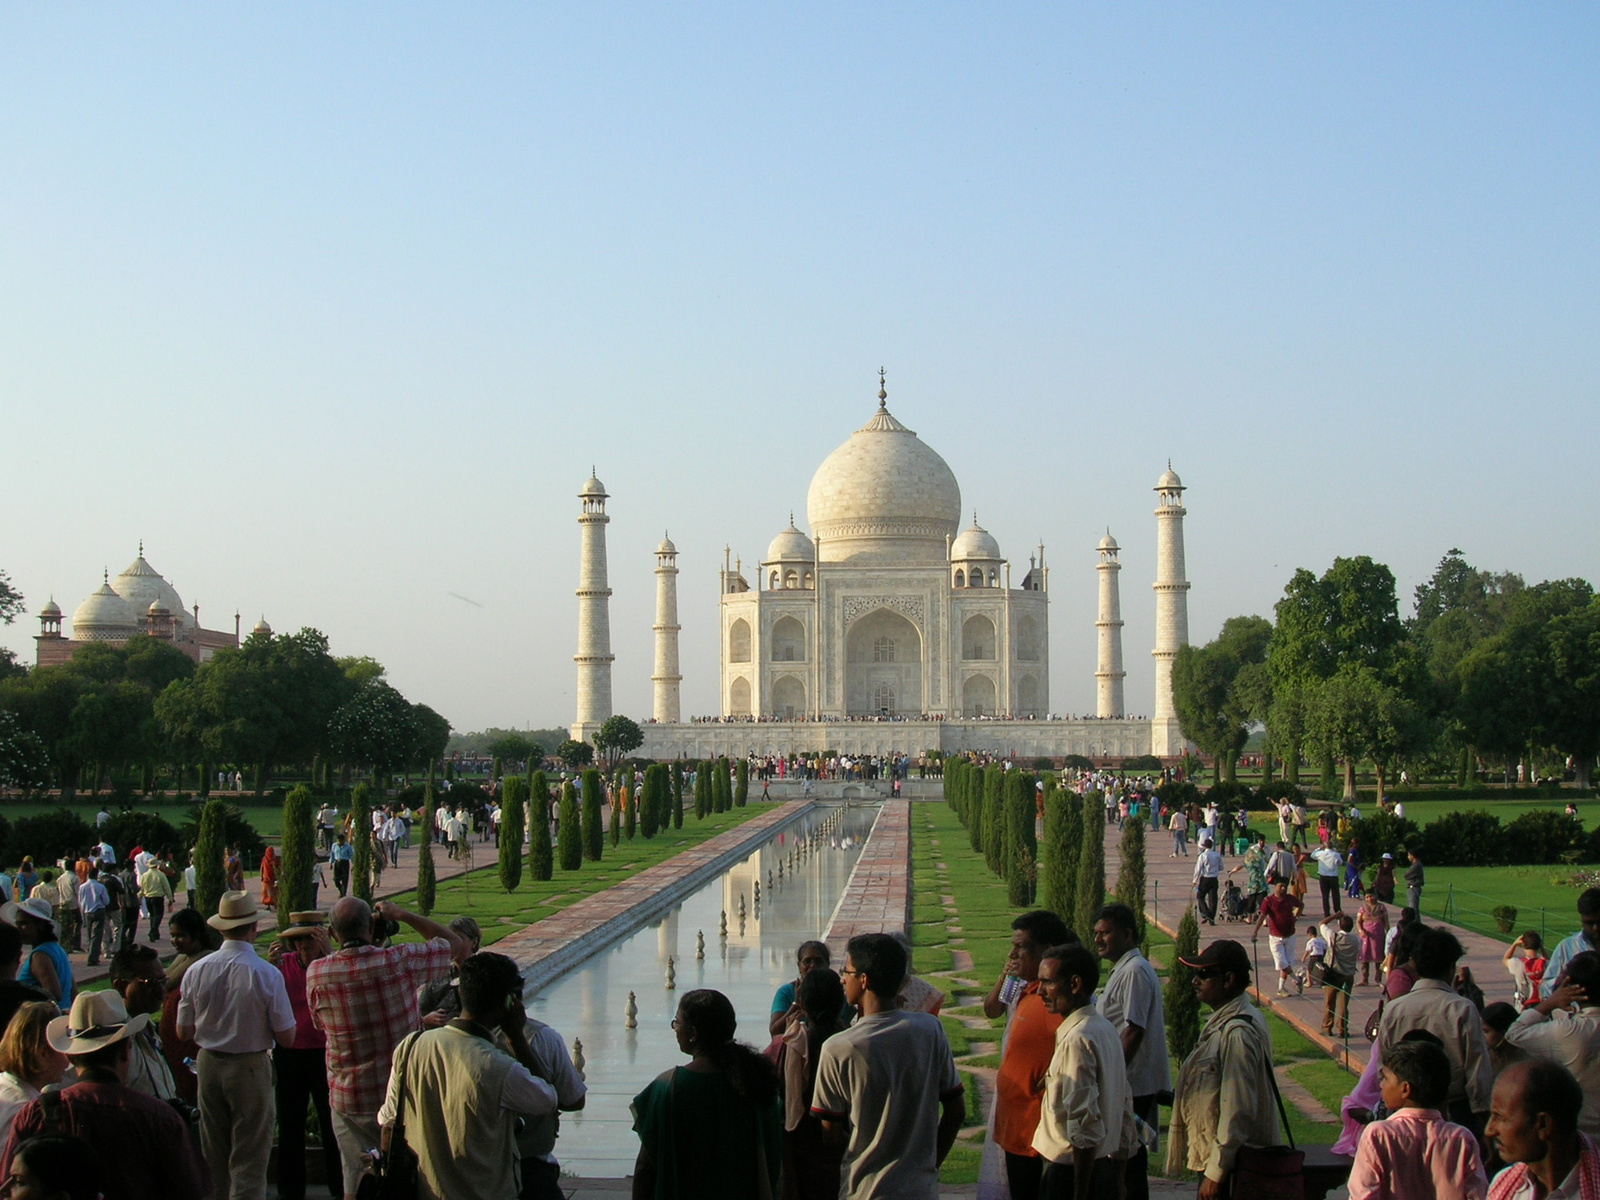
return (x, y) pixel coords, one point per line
(1108, 542)
(975, 542)
(791, 546)
(262, 627)
(158, 609)
(51, 608)
(104, 616)
(592, 488)
(666, 546)
(1169, 480)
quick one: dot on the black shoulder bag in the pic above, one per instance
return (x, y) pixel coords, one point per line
(395, 1176)
(1270, 1172)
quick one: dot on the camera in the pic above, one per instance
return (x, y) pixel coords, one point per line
(383, 929)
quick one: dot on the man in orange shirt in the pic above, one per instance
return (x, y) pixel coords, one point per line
(1030, 1041)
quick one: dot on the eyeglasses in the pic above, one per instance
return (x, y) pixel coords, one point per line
(675, 1023)
(849, 971)
(1210, 973)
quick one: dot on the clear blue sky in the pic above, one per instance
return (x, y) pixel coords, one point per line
(335, 306)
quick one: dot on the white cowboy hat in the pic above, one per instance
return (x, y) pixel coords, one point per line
(36, 907)
(236, 909)
(97, 1020)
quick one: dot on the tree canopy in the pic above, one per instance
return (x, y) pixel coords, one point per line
(617, 738)
(1216, 692)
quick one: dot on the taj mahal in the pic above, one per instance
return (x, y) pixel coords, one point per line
(889, 625)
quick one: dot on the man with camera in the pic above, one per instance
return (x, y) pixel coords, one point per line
(364, 997)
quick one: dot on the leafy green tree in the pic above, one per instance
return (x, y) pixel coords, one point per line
(677, 796)
(619, 737)
(1213, 709)
(299, 854)
(541, 855)
(1022, 848)
(210, 871)
(1571, 709)
(511, 826)
(512, 747)
(427, 876)
(1130, 871)
(1181, 1003)
(1063, 838)
(1356, 714)
(741, 792)
(24, 761)
(11, 602)
(361, 835)
(569, 839)
(575, 754)
(430, 734)
(43, 702)
(374, 729)
(593, 828)
(1090, 892)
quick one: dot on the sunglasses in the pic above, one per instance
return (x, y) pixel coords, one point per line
(1210, 973)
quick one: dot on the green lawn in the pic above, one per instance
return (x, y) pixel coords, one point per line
(1541, 896)
(266, 818)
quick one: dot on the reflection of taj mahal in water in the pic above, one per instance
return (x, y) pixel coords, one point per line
(892, 624)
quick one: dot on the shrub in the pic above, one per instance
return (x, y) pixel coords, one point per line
(1091, 867)
(1383, 833)
(677, 797)
(1541, 837)
(1178, 794)
(1077, 762)
(594, 838)
(1229, 796)
(1043, 763)
(741, 790)
(1464, 839)
(1130, 873)
(299, 854)
(1022, 849)
(569, 838)
(236, 832)
(630, 812)
(511, 826)
(210, 844)
(541, 855)
(1268, 795)
(976, 823)
(127, 830)
(1182, 1005)
(49, 835)
(1142, 762)
(617, 799)
(1505, 916)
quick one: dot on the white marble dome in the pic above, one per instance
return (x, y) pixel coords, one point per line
(975, 542)
(141, 585)
(593, 488)
(51, 608)
(666, 546)
(1108, 542)
(791, 546)
(105, 617)
(884, 496)
(1168, 480)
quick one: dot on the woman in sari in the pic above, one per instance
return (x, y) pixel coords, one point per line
(269, 878)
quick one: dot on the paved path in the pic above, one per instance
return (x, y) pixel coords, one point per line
(1169, 889)
(878, 897)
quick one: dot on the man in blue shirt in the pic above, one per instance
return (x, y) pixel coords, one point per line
(1587, 938)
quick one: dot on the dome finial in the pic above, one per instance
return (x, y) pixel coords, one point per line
(883, 391)
(141, 547)
(105, 574)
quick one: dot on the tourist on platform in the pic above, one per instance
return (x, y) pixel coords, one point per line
(1030, 1040)
(55, 1168)
(887, 1088)
(1339, 976)
(1497, 1021)
(300, 1069)
(235, 1008)
(144, 1148)
(1279, 911)
(1179, 825)
(1282, 862)
(1131, 1000)
(365, 999)
(1415, 877)
(66, 906)
(1330, 865)
(1534, 1126)
(193, 939)
(810, 1166)
(440, 1001)
(1224, 1098)
(786, 1000)
(139, 978)
(342, 855)
(130, 902)
(1587, 937)
(28, 1062)
(460, 1096)
(1383, 879)
(1527, 963)
(94, 904)
(712, 1127)
(13, 995)
(46, 967)
(1414, 1151)
(1207, 872)
(1572, 1038)
(1433, 1005)
(1372, 923)
(156, 891)
(1086, 1126)
(1256, 858)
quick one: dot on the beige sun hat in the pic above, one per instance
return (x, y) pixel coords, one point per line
(303, 923)
(97, 1020)
(34, 906)
(236, 909)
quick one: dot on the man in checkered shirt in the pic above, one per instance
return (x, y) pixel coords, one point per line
(364, 997)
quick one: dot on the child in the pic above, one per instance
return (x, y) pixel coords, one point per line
(1415, 1151)
(1316, 952)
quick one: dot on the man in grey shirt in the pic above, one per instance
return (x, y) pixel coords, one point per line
(1131, 1001)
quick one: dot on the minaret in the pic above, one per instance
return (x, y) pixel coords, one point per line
(1172, 611)
(594, 655)
(1108, 675)
(666, 677)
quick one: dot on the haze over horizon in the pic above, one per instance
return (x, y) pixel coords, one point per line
(335, 308)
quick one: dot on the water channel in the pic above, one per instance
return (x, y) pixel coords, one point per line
(589, 1002)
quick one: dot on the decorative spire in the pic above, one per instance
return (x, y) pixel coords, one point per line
(883, 391)
(141, 547)
(105, 575)
(791, 518)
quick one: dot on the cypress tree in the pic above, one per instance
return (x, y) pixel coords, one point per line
(569, 840)
(594, 839)
(361, 834)
(702, 790)
(427, 880)
(494, 770)
(677, 796)
(205, 783)
(511, 826)
(649, 798)
(299, 854)
(1130, 873)
(630, 806)
(952, 790)
(1182, 1005)
(994, 818)
(1022, 848)
(742, 788)
(724, 792)
(1055, 884)
(1091, 889)
(975, 792)
(616, 819)
(211, 878)
(541, 855)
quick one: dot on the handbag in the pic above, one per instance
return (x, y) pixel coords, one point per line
(1270, 1172)
(394, 1176)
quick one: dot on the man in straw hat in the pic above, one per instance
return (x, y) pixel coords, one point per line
(235, 1007)
(143, 1145)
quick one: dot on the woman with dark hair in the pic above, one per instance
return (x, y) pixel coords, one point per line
(810, 1166)
(54, 1168)
(709, 1128)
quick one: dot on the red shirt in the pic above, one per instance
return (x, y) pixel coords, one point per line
(1281, 914)
(365, 1000)
(306, 1034)
(1030, 1044)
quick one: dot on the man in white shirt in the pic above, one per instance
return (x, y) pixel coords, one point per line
(1131, 1001)
(393, 831)
(1207, 871)
(235, 1005)
(94, 902)
(1329, 865)
(1086, 1118)
(887, 1091)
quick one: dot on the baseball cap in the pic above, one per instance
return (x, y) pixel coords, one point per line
(1225, 954)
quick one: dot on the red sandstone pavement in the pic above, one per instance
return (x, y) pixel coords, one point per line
(877, 898)
(1168, 891)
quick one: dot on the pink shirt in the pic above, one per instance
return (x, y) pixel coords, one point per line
(1416, 1152)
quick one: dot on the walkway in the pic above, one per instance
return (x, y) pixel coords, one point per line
(878, 897)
